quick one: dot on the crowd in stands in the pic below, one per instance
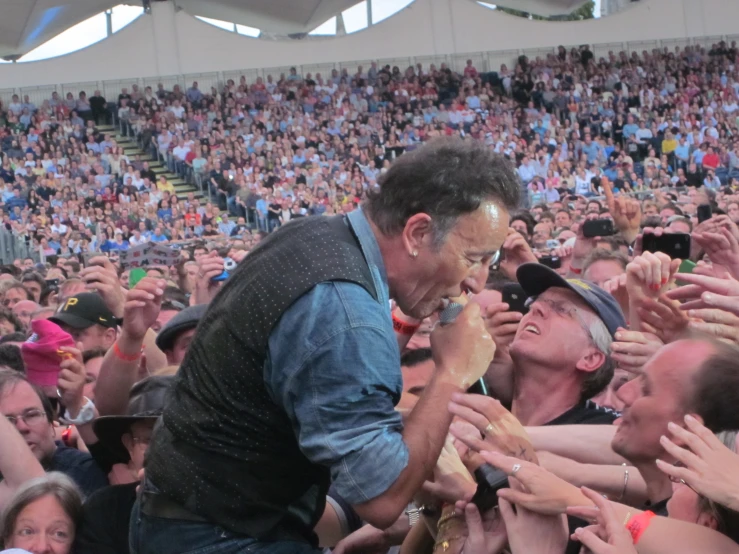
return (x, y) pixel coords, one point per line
(295, 145)
(627, 378)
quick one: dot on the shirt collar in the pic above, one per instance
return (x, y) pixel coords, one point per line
(368, 243)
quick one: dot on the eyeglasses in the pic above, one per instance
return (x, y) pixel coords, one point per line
(563, 309)
(29, 417)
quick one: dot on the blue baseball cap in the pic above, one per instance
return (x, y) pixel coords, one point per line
(535, 278)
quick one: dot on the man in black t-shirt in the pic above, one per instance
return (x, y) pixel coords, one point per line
(561, 351)
(694, 176)
(148, 173)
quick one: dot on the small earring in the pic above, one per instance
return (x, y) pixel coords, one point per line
(414, 254)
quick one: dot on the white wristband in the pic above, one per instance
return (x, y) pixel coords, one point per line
(86, 415)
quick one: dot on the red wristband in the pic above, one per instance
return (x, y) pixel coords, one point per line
(638, 524)
(404, 328)
(575, 270)
(125, 357)
(66, 436)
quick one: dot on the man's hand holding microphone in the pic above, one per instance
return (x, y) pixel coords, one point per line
(462, 351)
(461, 344)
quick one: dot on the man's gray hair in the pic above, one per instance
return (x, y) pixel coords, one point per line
(598, 380)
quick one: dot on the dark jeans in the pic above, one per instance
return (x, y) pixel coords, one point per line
(155, 535)
(273, 224)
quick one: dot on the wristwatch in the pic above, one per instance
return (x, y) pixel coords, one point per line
(414, 514)
(86, 415)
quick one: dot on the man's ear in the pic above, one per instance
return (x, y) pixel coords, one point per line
(417, 233)
(127, 441)
(111, 333)
(591, 361)
(707, 519)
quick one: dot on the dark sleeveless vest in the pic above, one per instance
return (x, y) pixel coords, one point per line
(226, 451)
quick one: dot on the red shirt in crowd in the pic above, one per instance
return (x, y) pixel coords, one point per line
(711, 161)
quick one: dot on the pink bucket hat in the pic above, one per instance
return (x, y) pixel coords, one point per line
(40, 352)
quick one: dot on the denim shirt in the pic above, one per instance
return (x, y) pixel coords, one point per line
(334, 366)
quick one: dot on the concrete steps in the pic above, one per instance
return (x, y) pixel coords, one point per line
(131, 148)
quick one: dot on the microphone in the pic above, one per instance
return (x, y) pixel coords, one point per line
(489, 479)
(447, 316)
(450, 313)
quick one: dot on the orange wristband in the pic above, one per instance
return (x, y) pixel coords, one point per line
(404, 328)
(638, 524)
(120, 355)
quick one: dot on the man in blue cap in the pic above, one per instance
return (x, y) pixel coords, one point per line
(561, 352)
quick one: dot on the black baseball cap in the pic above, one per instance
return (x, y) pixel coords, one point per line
(84, 310)
(536, 278)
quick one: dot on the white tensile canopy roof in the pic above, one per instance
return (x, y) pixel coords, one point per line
(26, 24)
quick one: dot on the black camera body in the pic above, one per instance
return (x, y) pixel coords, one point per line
(489, 481)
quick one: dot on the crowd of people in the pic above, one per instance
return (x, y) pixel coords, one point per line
(610, 369)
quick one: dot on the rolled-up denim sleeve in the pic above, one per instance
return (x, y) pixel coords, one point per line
(340, 394)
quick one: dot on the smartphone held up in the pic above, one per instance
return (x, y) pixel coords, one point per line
(675, 245)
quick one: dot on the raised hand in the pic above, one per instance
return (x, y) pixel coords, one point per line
(582, 249)
(663, 318)
(609, 535)
(543, 492)
(499, 429)
(632, 349)
(549, 537)
(502, 326)
(101, 276)
(626, 213)
(617, 287)
(711, 270)
(452, 481)
(716, 223)
(647, 275)
(516, 252)
(484, 534)
(719, 323)
(721, 247)
(564, 253)
(206, 289)
(238, 255)
(71, 380)
(143, 303)
(707, 292)
(711, 469)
